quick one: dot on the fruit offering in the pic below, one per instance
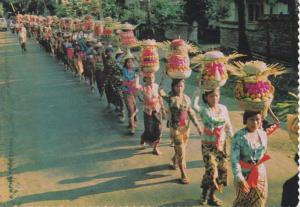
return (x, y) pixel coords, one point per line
(48, 20)
(178, 61)
(77, 25)
(149, 59)
(127, 36)
(98, 28)
(88, 23)
(108, 29)
(62, 24)
(253, 89)
(213, 68)
(68, 23)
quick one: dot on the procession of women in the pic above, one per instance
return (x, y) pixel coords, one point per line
(123, 71)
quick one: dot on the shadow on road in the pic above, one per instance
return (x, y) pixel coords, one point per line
(185, 203)
(120, 180)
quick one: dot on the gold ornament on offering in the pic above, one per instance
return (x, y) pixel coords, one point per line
(253, 90)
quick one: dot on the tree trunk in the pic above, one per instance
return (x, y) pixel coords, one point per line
(243, 45)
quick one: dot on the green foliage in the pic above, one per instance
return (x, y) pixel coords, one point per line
(1, 10)
(110, 8)
(287, 107)
(77, 8)
(217, 9)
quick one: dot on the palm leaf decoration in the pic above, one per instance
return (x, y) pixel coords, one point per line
(237, 69)
(287, 107)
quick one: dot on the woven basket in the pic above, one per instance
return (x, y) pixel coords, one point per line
(151, 69)
(213, 84)
(179, 74)
(255, 106)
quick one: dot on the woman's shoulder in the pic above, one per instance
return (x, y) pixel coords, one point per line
(223, 107)
(239, 135)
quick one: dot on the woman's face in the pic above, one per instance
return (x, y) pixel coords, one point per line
(129, 63)
(254, 122)
(150, 79)
(179, 88)
(213, 98)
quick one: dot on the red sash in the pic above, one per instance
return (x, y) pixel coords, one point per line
(216, 132)
(253, 176)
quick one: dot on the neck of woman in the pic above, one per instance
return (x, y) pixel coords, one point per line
(213, 107)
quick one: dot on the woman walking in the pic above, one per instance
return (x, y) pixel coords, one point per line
(153, 113)
(112, 83)
(99, 68)
(217, 127)
(248, 155)
(129, 88)
(181, 112)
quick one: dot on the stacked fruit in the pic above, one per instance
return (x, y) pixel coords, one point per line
(88, 23)
(108, 29)
(77, 25)
(214, 72)
(149, 59)
(55, 22)
(178, 61)
(68, 23)
(62, 24)
(256, 91)
(253, 90)
(127, 36)
(98, 29)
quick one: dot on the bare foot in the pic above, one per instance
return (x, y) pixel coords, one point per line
(156, 151)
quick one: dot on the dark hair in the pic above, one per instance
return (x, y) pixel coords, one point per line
(174, 83)
(109, 49)
(248, 114)
(206, 93)
(125, 62)
(118, 55)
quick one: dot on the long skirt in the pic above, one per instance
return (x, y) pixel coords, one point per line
(130, 102)
(180, 138)
(100, 78)
(113, 93)
(257, 196)
(89, 72)
(153, 128)
(216, 166)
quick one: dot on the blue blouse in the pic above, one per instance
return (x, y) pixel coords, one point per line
(127, 75)
(242, 149)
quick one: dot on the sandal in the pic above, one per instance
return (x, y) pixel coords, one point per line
(215, 202)
(184, 181)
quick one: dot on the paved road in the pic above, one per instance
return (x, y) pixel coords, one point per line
(59, 146)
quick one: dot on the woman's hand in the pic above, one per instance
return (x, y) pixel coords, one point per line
(200, 130)
(245, 186)
(164, 114)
